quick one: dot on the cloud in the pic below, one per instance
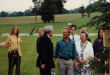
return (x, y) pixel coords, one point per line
(15, 5)
(22, 5)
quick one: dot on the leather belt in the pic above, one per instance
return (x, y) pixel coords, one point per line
(65, 58)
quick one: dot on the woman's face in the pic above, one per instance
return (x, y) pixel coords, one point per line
(73, 30)
(83, 37)
(101, 33)
(15, 30)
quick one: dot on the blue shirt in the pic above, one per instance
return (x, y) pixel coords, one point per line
(65, 49)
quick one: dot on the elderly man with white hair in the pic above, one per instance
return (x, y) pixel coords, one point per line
(45, 46)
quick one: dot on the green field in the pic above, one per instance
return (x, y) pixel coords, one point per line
(28, 47)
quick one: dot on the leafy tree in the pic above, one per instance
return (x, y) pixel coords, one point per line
(13, 14)
(82, 11)
(100, 66)
(102, 20)
(77, 10)
(89, 10)
(94, 7)
(65, 11)
(17, 14)
(59, 6)
(20, 13)
(49, 8)
(4, 14)
(28, 12)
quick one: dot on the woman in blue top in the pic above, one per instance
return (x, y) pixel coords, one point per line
(98, 44)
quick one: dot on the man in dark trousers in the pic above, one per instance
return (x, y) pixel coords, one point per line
(45, 50)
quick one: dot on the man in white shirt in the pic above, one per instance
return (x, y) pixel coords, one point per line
(74, 36)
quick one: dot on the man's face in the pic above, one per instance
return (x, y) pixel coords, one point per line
(65, 33)
(51, 33)
(40, 32)
(73, 30)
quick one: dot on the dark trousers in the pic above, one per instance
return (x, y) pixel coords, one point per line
(14, 60)
(45, 71)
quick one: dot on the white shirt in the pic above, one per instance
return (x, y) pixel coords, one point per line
(88, 51)
(76, 37)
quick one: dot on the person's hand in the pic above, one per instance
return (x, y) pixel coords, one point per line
(4, 44)
(75, 64)
(95, 58)
(42, 66)
(82, 61)
(54, 63)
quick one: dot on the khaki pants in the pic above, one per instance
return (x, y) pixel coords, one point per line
(66, 67)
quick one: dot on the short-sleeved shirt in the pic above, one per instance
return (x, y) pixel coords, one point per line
(65, 49)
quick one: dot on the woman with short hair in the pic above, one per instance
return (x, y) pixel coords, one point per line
(85, 54)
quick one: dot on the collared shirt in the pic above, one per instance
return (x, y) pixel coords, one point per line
(65, 49)
(14, 43)
(76, 37)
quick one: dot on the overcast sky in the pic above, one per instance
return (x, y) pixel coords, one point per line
(22, 5)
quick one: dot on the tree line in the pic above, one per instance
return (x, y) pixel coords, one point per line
(27, 12)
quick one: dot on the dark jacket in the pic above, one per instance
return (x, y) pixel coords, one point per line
(89, 39)
(97, 46)
(45, 51)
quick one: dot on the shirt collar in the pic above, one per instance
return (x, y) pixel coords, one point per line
(48, 36)
(64, 40)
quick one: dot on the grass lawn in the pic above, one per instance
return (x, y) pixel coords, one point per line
(28, 47)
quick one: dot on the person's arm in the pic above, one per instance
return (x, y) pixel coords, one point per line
(95, 47)
(56, 53)
(42, 48)
(75, 53)
(4, 44)
(55, 61)
(87, 59)
(37, 45)
(80, 61)
(75, 63)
